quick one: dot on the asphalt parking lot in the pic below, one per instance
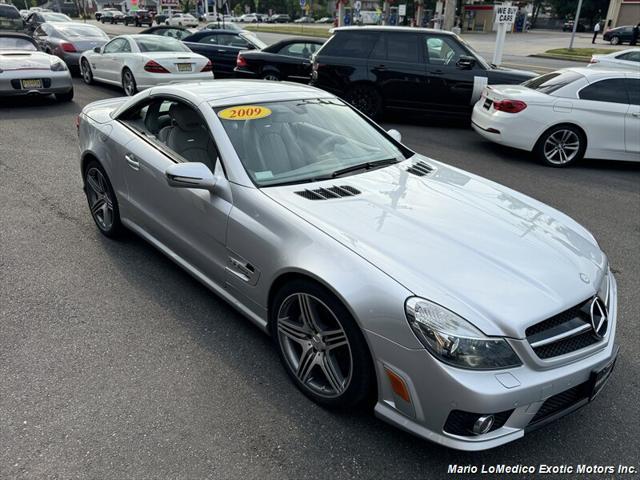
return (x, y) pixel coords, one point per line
(116, 364)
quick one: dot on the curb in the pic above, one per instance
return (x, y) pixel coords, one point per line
(571, 58)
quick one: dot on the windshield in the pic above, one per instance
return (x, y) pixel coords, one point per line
(303, 140)
(550, 82)
(15, 43)
(251, 38)
(81, 31)
(156, 43)
(55, 17)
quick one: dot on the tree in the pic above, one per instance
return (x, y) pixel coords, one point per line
(592, 10)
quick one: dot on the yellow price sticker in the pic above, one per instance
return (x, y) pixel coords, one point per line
(244, 112)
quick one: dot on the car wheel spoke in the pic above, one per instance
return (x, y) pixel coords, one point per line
(332, 373)
(307, 362)
(297, 333)
(98, 206)
(95, 186)
(307, 312)
(334, 339)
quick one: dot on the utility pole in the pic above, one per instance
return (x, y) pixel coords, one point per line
(575, 24)
(449, 14)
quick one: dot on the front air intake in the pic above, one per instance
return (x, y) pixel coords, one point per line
(420, 169)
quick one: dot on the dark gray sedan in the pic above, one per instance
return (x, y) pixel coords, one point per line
(68, 40)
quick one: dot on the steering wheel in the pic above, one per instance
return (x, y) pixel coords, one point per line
(449, 57)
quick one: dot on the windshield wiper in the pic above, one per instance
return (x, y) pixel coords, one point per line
(364, 166)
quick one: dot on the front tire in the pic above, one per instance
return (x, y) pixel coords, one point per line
(615, 40)
(102, 200)
(129, 83)
(561, 146)
(366, 99)
(321, 346)
(85, 70)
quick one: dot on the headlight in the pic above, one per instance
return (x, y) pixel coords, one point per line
(603, 289)
(453, 340)
(58, 66)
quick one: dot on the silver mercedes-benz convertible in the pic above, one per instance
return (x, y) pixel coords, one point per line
(465, 312)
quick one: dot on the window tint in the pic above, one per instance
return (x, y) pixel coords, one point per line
(9, 11)
(403, 48)
(232, 40)
(551, 82)
(10, 43)
(633, 89)
(172, 33)
(351, 44)
(630, 56)
(211, 39)
(115, 46)
(298, 50)
(176, 127)
(443, 50)
(613, 90)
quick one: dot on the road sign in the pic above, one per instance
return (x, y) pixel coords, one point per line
(402, 10)
(506, 14)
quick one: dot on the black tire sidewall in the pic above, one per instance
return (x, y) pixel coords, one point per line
(116, 229)
(135, 85)
(84, 66)
(539, 147)
(361, 389)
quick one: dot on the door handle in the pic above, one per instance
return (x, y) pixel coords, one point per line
(132, 161)
(380, 67)
(436, 72)
(636, 114)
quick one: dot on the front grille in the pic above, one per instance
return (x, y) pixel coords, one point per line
(561, 401)
(420, 169)
(461, 423)
(577, 317)
(331, 192)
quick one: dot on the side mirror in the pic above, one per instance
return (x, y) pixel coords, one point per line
(466, 62)
(190, 175)
(98, 49)
(395, 134)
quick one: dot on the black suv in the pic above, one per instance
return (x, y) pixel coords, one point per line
(377, 68)
(138, 18)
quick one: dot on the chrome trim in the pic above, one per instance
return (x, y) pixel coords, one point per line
(562, 336)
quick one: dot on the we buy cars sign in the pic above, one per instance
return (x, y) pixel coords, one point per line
(169, 3)
(506, 14)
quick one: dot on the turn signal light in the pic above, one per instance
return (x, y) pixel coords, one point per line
(68, 47)
(398, 386)
(154, 67)
(240, 61)
(510, 106)
(208, 67)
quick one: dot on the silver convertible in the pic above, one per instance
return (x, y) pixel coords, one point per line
(462, 311)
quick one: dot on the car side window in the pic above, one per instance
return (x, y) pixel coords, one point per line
(612, 90)
(403, 48)
(114, 46)
(210, 39)
(126, 47)
(443, 50)
(633, 89)
(295, 50)
(174, 128)
(232, 40)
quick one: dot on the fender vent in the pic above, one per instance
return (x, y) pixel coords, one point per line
(328, 193)
(420, 169)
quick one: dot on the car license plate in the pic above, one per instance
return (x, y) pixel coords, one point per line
(184, 67)
(600, 377)
(487, 104)
(36, 83)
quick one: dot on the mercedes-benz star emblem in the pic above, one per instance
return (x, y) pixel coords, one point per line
(598, 317)
(584, 277)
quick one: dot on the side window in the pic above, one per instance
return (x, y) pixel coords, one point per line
(126, 47)
(210, 39)
(443, 50)
(613, 90)
(115, 46)
(351, 44)
(176, 128)
(403, 48)
(379, 51)
(633, 88)
(232, 40)
(295, 50)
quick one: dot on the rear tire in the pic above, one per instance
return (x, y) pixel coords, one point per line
(103, 204)
(65, 97)
(129, 83)
(561, 146)
(366, 99)
(271, 76)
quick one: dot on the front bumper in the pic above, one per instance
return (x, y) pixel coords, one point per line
(529, 396)
(52, 82)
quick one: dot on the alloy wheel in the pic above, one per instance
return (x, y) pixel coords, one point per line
(561, 147)
(87, 76)
(315, 345)
(271, 76)
(128, 83)
(99, 196)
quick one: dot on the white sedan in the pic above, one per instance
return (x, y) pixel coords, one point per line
(565, 115)
(182, 20)
(136, 62)
(628, 59)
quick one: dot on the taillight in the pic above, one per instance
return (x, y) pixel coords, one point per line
(208, 67)
(240, 61)
(593, 60)
(509, 106)
(68, 47)
(154, 67)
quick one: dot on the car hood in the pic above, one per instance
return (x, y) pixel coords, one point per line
(496, 257)
(24, 60)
